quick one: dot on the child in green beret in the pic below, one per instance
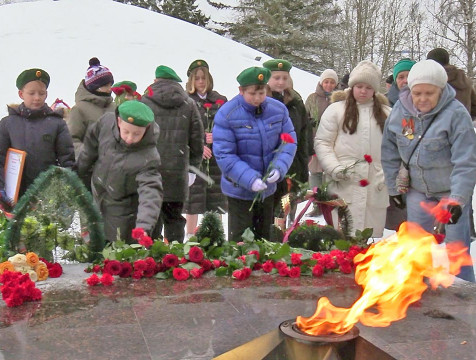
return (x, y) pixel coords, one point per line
(204, 196)
(248, 147)
(279, 87)
(124, 91)
(121, 162)
(36, 129)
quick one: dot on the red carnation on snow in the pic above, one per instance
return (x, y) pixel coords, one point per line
(55, 270)
(287, 138)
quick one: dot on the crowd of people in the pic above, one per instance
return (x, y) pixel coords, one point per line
(150, 158)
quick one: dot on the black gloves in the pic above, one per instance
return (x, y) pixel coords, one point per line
(455, 211)
(398, 201)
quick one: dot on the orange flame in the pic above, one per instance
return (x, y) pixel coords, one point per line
(391, 273)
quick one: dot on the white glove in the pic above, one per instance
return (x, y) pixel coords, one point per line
(191, 178)
(273, 176)
(258, 185)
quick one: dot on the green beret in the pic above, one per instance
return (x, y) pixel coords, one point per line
(278, 65)
(164, 72)
(196, 64)
(402, 65)
(126, 85)
(136, 113)
(254, 76)
(32, 75)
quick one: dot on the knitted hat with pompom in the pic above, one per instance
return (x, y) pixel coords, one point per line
(97, 75)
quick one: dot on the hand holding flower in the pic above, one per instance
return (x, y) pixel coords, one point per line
(273, 176)
(258, 185)
(207, 153)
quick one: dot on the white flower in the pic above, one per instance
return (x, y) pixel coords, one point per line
(18, 260)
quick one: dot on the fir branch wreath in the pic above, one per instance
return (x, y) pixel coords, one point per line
(81, 197)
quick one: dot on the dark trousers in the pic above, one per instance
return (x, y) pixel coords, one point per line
(172, 221)
(259, 219)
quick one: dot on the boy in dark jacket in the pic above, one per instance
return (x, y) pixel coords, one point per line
(120, 150)
(249, 151)
(36, 129)
(180, 145)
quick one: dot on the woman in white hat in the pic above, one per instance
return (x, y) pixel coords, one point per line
(431, 133)
(349, 130)
(316, 104)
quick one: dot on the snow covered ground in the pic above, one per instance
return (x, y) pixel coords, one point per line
(61, 36)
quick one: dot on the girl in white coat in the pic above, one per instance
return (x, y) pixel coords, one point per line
(349, 130)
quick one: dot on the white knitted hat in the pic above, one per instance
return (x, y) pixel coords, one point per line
(328, 74)
(366, 72)
(427, 72)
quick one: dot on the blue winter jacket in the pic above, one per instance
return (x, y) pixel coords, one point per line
(246, 143)
(444, 164)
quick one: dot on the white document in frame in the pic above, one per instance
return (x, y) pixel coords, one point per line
(13, 172)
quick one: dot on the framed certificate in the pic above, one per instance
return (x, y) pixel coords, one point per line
(14, 163)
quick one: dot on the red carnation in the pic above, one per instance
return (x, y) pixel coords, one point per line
(368, 158)
(137, 275)
(247, 271)
(295, 272)
(328, 262)
(55, 270)
(106, 279)
(196, 272)
(255, 253)
(140, 265)
(317, 270)
(345, 267)
(268, 266)
(137, 233)
(195, 254)
(296, 259)
(206, 264)
(310, 222)
(280, 264)
(443, 216)
(145, 241)
(440, 238)
(170, 260)
(180, 274)
(216, 263)
(93, 280)
(126, 269)
(287, 138)
(220, 102)
(283, 271)
(257, 266)
(150, 262)
(238, 275)
(149, 272)
(363, 182)
(97, 268)
(113, 267)
(207, 106)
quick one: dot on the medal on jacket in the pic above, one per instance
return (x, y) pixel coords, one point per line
(408, 128)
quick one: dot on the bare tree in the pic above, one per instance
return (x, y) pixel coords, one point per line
(457, 27)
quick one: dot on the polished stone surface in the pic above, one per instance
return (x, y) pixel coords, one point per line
(201, 319)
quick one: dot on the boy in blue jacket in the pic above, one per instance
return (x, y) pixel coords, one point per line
(248, 149)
